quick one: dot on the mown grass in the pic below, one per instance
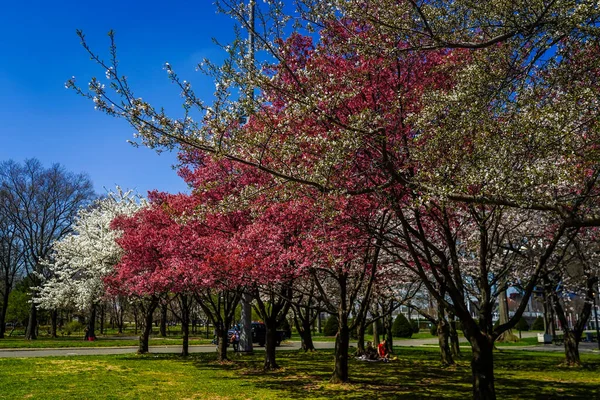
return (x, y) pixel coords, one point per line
(422, 334)
(319, 337)
(526, 341)
(77, 341)
(416, 374)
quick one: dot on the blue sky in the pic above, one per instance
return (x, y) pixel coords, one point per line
(39, 51)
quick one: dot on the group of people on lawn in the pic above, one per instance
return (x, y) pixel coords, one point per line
(376, 354)
(380, 353)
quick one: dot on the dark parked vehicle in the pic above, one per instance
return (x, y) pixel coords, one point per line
(259, 334)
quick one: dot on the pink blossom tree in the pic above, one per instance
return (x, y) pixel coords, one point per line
(384, 101)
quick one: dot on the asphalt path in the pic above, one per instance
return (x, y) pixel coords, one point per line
(93, 351)
(286, 346)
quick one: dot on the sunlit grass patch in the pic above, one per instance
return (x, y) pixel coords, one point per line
(416, 373)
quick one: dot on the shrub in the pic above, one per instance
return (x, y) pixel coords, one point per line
(433, 330)
(331, 326)
(73, 326)
(401, 327)
(538, 324)
(522, 325)
(284, 325)
(414, 324)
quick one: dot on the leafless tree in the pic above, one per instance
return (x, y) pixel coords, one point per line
(40, 203)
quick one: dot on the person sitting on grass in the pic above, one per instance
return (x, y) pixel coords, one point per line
(371, 352)
(383, 351)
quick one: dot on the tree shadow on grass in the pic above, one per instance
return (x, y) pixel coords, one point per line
(528, 375)
(307, 375)
(542, 389)
(416, 374)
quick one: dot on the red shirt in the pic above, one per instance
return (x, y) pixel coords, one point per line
(382, 350)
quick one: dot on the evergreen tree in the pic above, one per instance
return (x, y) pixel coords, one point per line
(401, 327)
(522, 325)
(414, 326)
(331, 326)
(538, 324)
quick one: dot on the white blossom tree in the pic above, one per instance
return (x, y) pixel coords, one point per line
(571, 284)
(80, 261)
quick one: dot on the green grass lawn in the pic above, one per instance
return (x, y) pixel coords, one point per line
(319, 337)
(530, 341)
(77, 341)
(416, 374)
(422, 334)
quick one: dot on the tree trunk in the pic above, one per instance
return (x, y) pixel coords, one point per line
(454, 341)
(163, 320)
(119, 313)
(389, 336)
(443, 331)
(90, 332)
(136, 317)
(270, 346)
(31, 332)
(506, 336)
(342, 343)
(102, 308)
(572, 336)
(305, 333)
(121, 321)
(3, 310)
(376, 339)
(54, 323)
(360, 339)
(185, 325)
(482, 367)
(571, 348)
(185, 332)
(145, 337)
(307, 340)
(147, 327)
(222, 342)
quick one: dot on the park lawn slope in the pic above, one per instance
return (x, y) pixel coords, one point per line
(415, 374)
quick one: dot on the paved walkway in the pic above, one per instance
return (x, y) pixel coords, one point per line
(584, 347)
(89, 351)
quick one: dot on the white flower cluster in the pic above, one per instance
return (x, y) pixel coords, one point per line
(81, 260)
